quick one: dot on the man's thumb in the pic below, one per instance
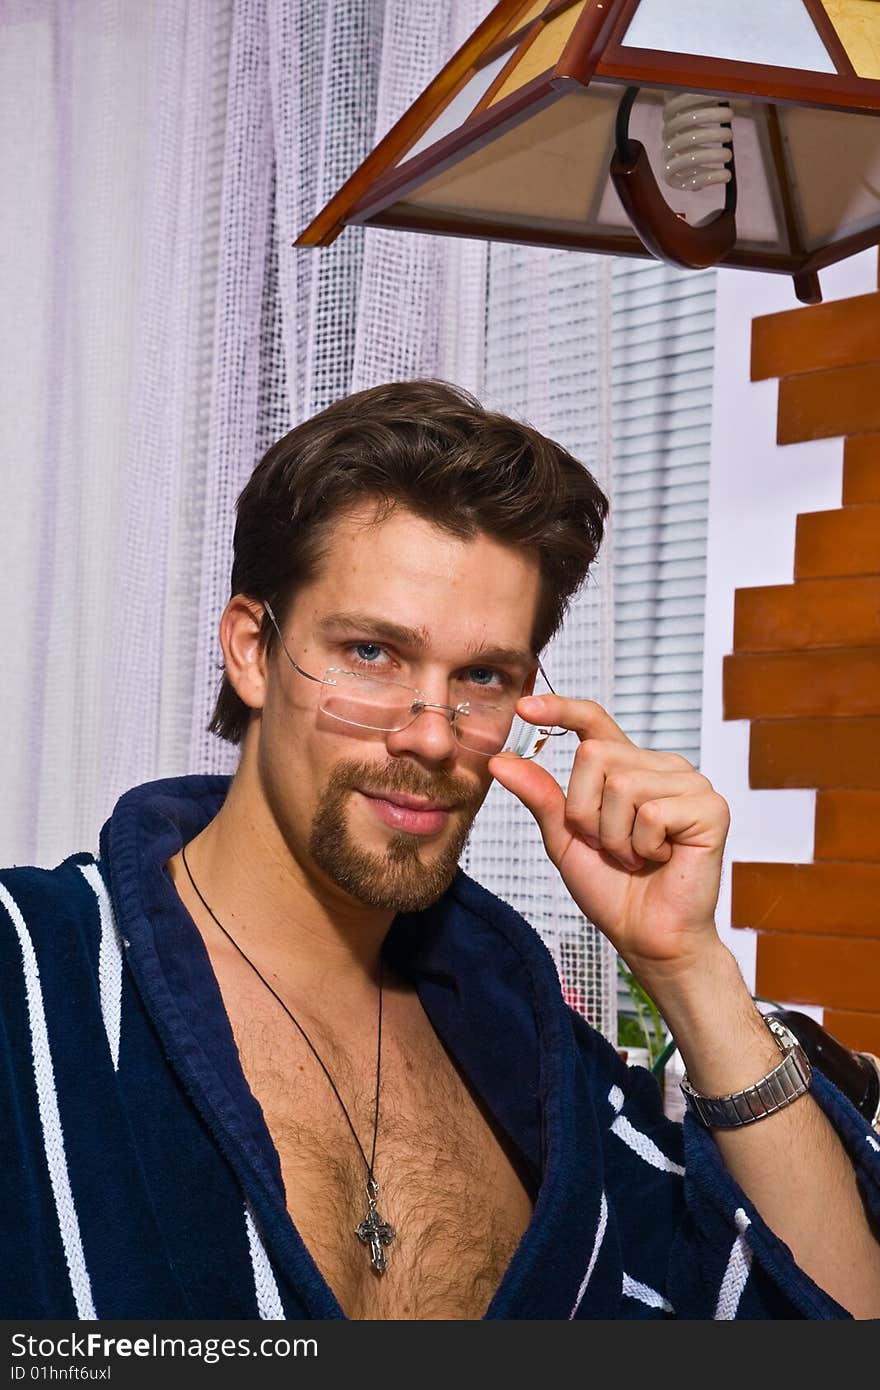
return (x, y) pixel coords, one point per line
(539, 791)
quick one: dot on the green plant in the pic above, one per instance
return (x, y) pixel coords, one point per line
(646, 1029)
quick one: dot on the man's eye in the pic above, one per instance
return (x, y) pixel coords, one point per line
(483, 675)
(368, 652)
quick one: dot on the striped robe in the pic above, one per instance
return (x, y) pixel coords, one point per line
(139, 1179)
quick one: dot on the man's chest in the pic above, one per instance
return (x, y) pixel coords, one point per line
(448, 1185)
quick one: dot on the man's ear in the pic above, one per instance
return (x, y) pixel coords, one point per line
(245, 661)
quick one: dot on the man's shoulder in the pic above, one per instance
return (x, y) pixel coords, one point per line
(41, 907)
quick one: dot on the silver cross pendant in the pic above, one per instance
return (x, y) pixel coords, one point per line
(373, 1231)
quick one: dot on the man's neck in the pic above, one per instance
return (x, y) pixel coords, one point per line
(291, 923)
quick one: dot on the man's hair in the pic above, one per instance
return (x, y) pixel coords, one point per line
(433, 449)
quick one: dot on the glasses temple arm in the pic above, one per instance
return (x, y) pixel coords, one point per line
(547, 679)
(295, 664)
(552, 733)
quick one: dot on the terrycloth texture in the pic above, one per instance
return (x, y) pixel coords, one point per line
(140, 1180)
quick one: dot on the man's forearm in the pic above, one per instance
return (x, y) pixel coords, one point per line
(792, 1165)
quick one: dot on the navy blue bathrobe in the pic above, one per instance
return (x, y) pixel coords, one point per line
(139, 1179)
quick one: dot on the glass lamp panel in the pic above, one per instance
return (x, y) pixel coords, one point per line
(531, 12)
(760, 216)
(548, 171)
(543, 52)
(835, 162)
(778, 33)
(456, 111)
(858, 27)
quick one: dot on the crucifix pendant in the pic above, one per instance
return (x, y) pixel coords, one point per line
(373, 1231)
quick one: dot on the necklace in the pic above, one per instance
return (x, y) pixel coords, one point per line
(372, 1231)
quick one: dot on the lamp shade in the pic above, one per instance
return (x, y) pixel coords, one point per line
(734, 132)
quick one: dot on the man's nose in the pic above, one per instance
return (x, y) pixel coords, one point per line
(429, 736)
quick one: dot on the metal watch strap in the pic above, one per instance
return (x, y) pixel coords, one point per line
(773, 1092)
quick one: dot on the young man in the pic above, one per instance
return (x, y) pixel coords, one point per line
(273, 1055)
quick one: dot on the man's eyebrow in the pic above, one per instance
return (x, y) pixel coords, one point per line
(418, 639)
(503, 656)
(414, 637)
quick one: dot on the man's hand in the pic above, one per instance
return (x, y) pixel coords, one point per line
(638, 839)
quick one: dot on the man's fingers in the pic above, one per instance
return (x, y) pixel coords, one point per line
(540, 793)
(698, 821)
(583, 717)
(623, 795)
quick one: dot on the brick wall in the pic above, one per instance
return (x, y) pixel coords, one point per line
(805, 670)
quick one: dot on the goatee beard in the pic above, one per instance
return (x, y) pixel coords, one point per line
(407, 876)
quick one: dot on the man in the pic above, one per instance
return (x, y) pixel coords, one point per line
(272, 1055)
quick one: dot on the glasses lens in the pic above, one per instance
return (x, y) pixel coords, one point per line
(386, 707)
(483, 730)
(367, 703)
(526, 740)
(490, 734)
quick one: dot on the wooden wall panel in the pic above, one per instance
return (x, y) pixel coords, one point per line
(834, 971)
(802, 684)
(825, 405)
(843, 333)
(848, 825)
(815, 753)
(857, 1030)
(829, 544)
(828, 899)
(814, 613)
(861, 469)
(805, 669)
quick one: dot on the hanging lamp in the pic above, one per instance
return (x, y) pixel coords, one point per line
(743, 133)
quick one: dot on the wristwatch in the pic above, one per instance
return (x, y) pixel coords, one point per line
(773, 1092)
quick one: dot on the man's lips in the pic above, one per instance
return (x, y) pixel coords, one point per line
(416, 814)
(412, 803)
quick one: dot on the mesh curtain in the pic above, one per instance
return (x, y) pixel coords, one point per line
(161, 332)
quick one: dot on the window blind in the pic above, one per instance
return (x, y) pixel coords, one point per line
(662, 326)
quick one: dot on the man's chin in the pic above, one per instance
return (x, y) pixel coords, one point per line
(380, 865)
(390, 885)
(395, 872)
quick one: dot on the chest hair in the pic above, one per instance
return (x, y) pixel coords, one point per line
(456, 1195)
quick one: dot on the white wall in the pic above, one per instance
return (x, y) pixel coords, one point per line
(756, 492)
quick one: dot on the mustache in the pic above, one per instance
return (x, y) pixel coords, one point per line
(404, 777)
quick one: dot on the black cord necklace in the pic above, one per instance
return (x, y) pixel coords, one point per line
(372, 1231)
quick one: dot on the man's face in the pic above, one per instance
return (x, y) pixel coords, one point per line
(385, 816)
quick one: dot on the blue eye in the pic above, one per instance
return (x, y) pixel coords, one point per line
(485, 676)
(368, 651)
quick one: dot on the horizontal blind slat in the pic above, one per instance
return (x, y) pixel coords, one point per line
(662, 361)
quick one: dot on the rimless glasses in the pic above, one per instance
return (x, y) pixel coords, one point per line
(484, 721)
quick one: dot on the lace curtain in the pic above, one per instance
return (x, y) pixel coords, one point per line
(161, 331)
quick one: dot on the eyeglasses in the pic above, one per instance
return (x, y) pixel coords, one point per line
(482, 724)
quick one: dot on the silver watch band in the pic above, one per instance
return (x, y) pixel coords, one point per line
(773, 1092)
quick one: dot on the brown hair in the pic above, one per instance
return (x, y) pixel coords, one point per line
(433, 449)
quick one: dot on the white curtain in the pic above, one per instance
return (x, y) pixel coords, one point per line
(160, 331)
